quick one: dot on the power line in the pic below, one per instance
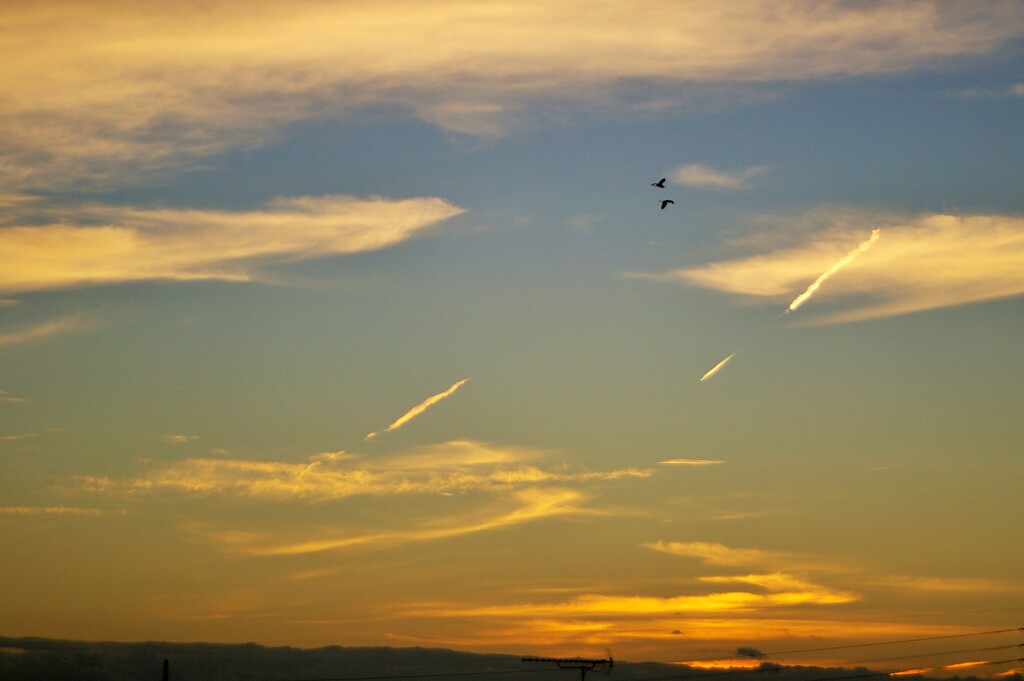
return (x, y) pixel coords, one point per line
(906, 640)
(485, 672)
(847, 677)
(674, 677)
(724, 672)
(941, 652)
(867, 645)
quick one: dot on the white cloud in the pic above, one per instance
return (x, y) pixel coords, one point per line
(90, 245)
(697, 175)
(922, 263)
(106, 92)
(1015, 90)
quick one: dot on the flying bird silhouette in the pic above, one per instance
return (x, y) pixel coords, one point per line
(666, 202)
(660, 184)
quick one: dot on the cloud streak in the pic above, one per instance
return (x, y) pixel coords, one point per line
(843, 262)
(93, 245)
(715, 369)
(106, 95)
(721, 555)
(773, 591)
(419, 409)
(924, 262)
(11, 399)
(43, 331)
(691, 462)
(697, 175)
(530, 505)
(56, 510)
(453, 467)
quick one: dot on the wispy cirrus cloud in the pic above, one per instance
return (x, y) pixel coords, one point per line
(923, 262)
(503, 487)
(57, 510)
(104, 93)
(452, 467)
(95, 244)
(691, 462)
(16, 437)
(1011, 91)
(42, 331)
(11, 399)
(944, 584)
(712, 553)
(178, 438)
(527, 505)
(698, 175)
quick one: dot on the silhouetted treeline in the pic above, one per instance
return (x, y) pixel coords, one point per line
(39, 659)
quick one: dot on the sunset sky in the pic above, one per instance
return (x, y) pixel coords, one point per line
(359, 323)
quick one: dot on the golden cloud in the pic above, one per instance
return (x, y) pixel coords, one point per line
(775, 591)
(691, 462)
(111, 244)
(719, 554)
(920, 263)
(453, 467)
(107, 90)
(531, 504)
(56, 510)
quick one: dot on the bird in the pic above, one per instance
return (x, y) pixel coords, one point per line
(660, 184)
(666, 202)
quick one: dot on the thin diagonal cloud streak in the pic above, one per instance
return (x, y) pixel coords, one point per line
(419, 409)
(715, 369)
(843, 262)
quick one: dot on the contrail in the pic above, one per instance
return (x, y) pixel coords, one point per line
(715, 369)
(803, 297)
(418, 409)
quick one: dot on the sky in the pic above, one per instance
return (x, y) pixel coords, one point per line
(360, 323)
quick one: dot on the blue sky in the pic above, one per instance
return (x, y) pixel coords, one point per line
(238, 240)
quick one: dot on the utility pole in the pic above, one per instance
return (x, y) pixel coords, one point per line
(583, 664)
(167, 672)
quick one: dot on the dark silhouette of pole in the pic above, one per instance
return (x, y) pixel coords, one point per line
(583, 664)
(167, 672)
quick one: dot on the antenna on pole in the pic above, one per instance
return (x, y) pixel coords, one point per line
(583, 664)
